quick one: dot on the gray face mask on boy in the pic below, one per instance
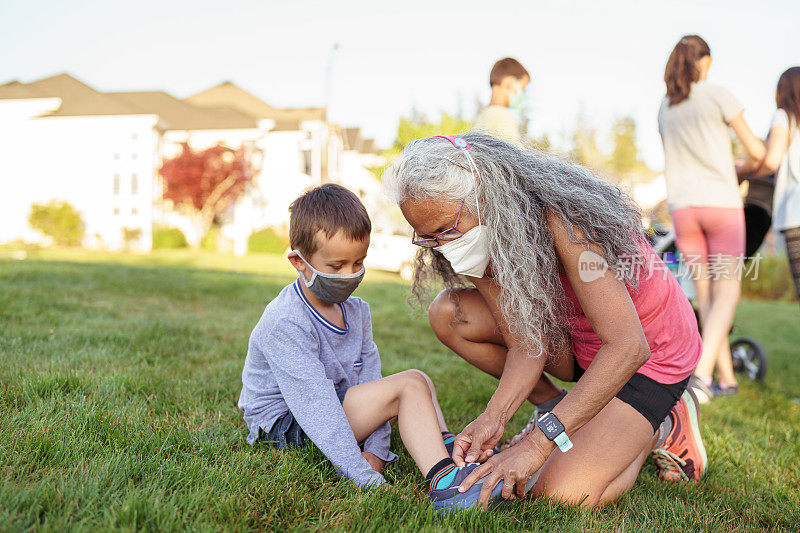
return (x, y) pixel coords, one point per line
(331, 288)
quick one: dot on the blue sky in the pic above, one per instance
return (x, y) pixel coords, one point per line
(601, 58)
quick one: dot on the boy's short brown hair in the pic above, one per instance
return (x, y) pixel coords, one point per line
(329, 208)
(506, 67)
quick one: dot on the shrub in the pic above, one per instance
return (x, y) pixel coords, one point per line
(774, 281)
(168, 237)
(131, 236)
(59, 221)
(267, 241)
(211, 240)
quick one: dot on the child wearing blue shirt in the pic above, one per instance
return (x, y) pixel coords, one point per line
(312, 372)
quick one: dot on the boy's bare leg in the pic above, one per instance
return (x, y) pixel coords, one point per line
(406, 396)
(439, 415)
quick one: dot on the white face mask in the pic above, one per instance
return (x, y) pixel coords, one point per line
(469, 254)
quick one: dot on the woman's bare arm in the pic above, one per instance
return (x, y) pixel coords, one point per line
(520, 374)
(776, 146)
(521, 371)
(752, 144)
(610, 310)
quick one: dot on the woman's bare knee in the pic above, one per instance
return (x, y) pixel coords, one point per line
(441, 314)
(457, 314)
(568, 492)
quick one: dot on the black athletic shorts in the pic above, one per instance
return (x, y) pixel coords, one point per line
(652, 399)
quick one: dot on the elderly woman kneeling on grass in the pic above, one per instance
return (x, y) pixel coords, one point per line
(547, 270)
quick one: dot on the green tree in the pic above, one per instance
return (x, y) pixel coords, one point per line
(411, 129)
(59, 221)
(584, 144)
(624, 158)
(417, 126)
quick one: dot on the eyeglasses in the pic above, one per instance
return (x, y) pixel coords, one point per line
(441, 237)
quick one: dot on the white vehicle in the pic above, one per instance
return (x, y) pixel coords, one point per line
(394, 253)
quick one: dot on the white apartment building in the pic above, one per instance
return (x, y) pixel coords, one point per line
(63, 140)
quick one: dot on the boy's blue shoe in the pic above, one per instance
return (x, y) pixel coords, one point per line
(445, 496)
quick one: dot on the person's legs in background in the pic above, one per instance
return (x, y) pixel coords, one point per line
(690, 241)
(792, 237)
(713, 239)
(725, 234)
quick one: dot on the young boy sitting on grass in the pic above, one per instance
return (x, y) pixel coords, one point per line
(313, 374)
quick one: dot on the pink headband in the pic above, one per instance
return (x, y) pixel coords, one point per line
(456, 141)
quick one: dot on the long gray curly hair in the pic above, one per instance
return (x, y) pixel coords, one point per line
(515, 188)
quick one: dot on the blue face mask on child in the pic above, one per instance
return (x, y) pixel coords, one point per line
(331, 288)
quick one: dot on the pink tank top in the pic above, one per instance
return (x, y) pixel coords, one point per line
(667, 319)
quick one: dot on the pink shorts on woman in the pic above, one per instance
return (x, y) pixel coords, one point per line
(701, 232)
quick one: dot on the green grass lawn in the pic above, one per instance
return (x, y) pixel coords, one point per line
(119, 376)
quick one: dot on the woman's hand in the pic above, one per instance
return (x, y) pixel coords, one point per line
(476, 442)
(514, 467)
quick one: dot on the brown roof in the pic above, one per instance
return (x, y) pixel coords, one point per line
(228, 94)
(77, 98)
(180, 115)
(14, 90)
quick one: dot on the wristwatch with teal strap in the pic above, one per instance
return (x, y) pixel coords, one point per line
(553, 429)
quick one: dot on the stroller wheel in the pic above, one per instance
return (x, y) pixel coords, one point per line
(749, 357)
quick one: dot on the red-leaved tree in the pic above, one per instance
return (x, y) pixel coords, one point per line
(204, 183)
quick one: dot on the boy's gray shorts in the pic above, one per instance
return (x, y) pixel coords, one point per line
(287, 432)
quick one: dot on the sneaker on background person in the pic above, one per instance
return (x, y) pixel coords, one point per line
(682, 454)
(702, 390)
(718, 389)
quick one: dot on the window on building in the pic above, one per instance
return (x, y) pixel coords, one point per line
(134, 184)
(305, 155)
(116, 183)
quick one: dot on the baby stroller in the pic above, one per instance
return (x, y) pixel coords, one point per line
(749, 357)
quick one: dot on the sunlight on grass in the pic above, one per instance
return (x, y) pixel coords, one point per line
(118, 388)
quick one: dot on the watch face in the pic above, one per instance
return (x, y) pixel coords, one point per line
(551, 426)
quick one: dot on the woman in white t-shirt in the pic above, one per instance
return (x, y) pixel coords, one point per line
(783, 159)
(704, 200)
